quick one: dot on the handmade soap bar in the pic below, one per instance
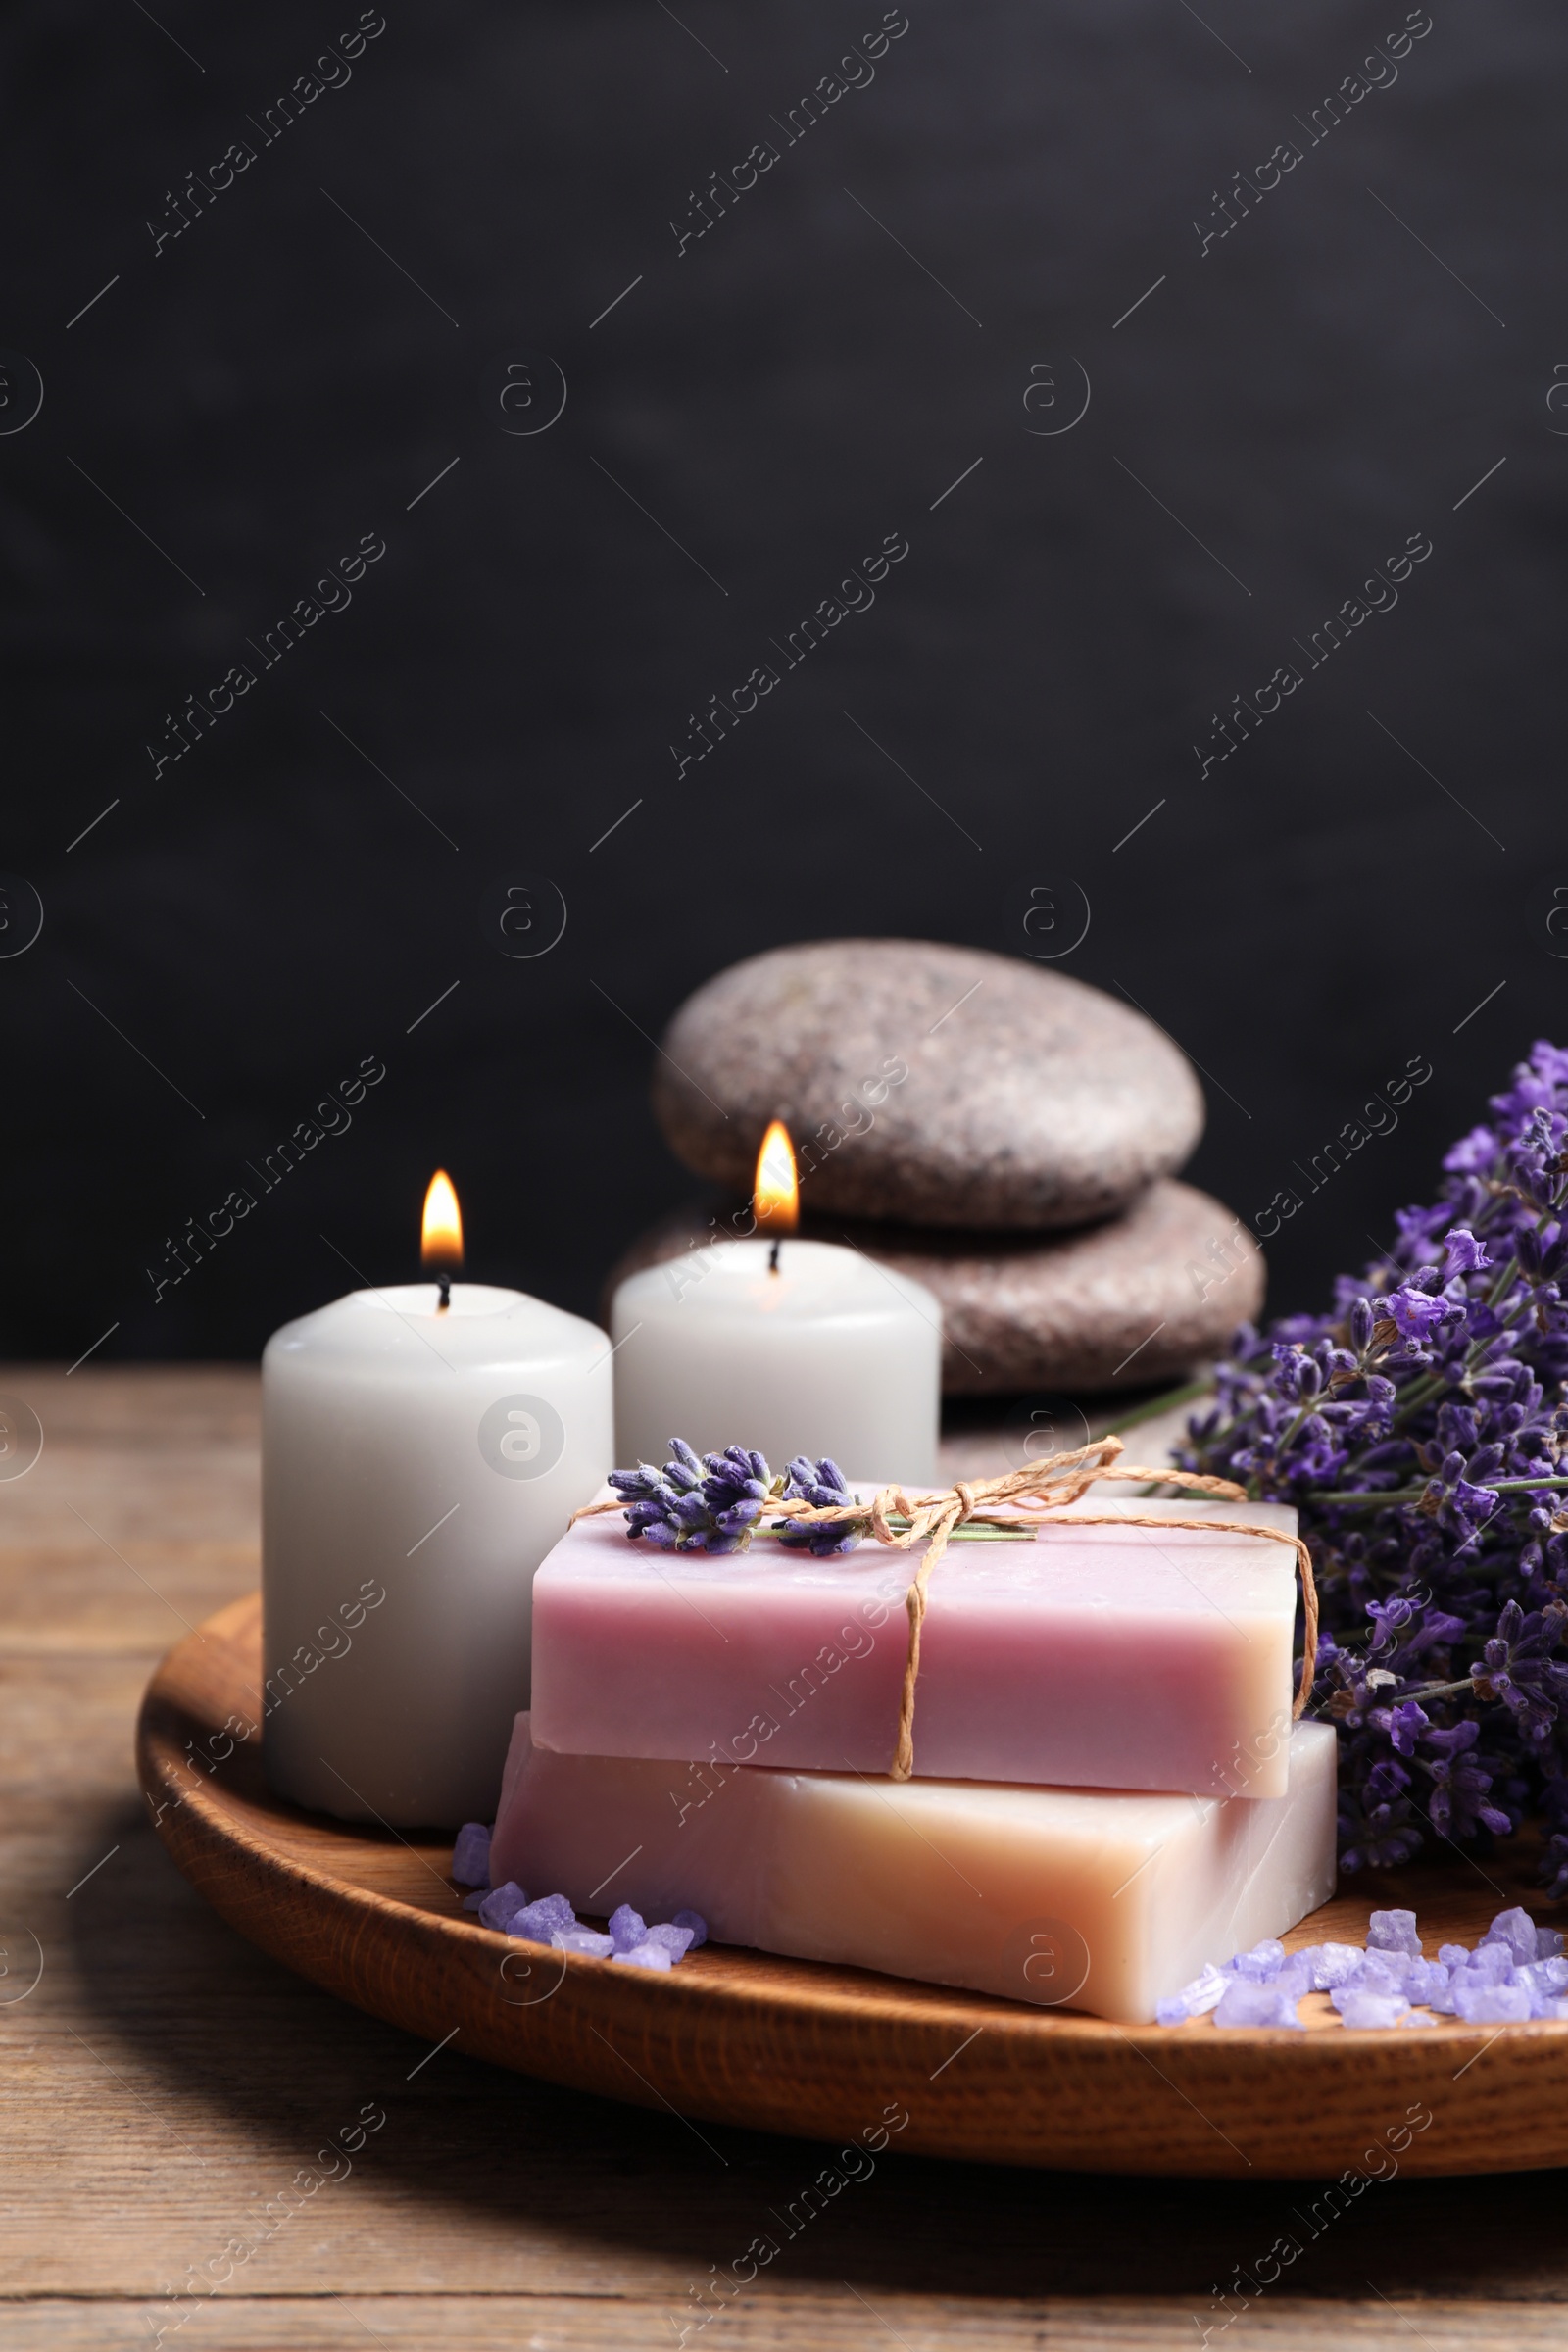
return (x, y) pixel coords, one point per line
(1072, 1897)
(1088, 1657)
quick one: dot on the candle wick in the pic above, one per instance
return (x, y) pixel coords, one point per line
(772, 1258)
(445, 1300)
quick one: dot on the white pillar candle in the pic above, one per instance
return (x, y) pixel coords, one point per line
(827, 1354)
(417, 1463)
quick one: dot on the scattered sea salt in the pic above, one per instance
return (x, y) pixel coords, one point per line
(470, 1856)
(499, 1905)
(1248, 2003)
(645, 1955)
(584, 1940)
(626, 1927)
(1517, 1970)
(1515, 1929)
(1393, 1931)
(1335, 1964)
(1362, 2008)
(550, 1918)
(1491, 2004)
(539, 1920)
(675, 1941)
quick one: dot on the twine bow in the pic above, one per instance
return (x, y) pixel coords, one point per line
(1053, 1486)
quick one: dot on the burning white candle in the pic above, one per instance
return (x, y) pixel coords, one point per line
(423, 1448)
(788, 1346)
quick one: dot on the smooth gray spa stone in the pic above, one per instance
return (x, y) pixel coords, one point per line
(1027, 1100)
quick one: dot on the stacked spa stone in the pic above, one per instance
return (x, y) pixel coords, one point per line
(1007, 1135)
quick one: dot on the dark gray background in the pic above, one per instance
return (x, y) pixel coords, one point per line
(270, 387)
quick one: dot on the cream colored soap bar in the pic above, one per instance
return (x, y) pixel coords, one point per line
(1097, 1899)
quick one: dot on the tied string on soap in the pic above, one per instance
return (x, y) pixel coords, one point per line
(1054, 1485)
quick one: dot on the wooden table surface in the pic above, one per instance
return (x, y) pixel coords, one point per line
(163, 2080)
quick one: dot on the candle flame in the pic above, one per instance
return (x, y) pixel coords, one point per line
(441, 1239)
(777, 1199)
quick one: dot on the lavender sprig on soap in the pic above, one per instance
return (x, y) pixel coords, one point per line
(712, 1501)
(1422, 1433)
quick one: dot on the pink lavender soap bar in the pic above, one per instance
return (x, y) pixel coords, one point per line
(1092, 1656)
(1068, 1897)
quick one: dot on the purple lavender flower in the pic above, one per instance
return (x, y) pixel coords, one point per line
(824, 1483)
(698, 1503)
(1421, 1430)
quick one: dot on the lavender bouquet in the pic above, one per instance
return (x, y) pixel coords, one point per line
(1421, 1431)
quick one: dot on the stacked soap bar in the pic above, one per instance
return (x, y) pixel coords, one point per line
(1083, 1656)
(1097, 1900)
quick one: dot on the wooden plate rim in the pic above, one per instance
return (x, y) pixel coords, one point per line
(743, 2038)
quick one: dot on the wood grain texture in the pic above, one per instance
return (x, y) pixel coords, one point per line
(166, 2079)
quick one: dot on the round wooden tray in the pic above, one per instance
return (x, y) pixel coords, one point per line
(734, 2037)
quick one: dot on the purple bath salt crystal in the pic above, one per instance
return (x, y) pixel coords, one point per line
(645, 1955)
(675, 1941)
(1381, 1973)
(473, 1901)
(1336, 1964)
(1491, 2004)
(1205, 1992)
(1196, 1999)
(1248, 2003)
(1430, 1983)
(627, 1929)
(1413, 2017)
(698, 1928)
(583, 1941)
(1515, 1929)
(538, 1921)
(1261, 1963)
(1363, 2011)
(1548, 1944)
(1393, 1931)
(470, 1856)
(1297, 1975)
(1454, 1955)
(1488, 1964)
(1546, 1976)
(497, 1906)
